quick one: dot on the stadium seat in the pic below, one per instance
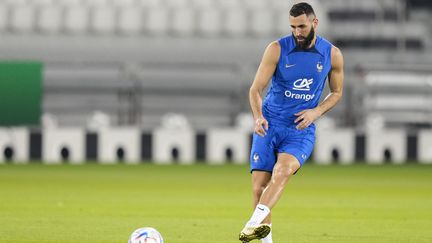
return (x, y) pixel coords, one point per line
(22, 18)
(331, 140)
(176, 3)
(130, 20)
(219, 140)
(281, 5)
(157, 20)
(16, 2)
(282, 25)
(119, 143)
(76, 19)
(17, 140)
(227, 4)
(73, 92)
(424, 148)
(72, 140)
(41, 3)
(202, 4)
(257, 4)
(103, 20)
(168, 140)
(4, 19)
(183, 21)
(380, 142)
(149, 3)
(262, 22)
(124, 3)
(398, 96)
(209, 22)
(96, 3)
(235, 22)
(50, 19)
(69, 2)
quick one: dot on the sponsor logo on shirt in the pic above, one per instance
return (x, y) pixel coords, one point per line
(303, 84)
(297, 96)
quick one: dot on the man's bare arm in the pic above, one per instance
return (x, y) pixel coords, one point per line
(336, 78)
(264, 73)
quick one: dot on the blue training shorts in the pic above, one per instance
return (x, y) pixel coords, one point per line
(281, 139)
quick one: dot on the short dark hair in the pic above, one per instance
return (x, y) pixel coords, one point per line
(302, 8)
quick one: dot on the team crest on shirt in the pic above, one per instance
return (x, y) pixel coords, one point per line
(255, 157)
(319, 67)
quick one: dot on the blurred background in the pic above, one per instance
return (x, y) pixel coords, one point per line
(168, 80)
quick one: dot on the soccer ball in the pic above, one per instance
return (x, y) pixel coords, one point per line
(146, 235)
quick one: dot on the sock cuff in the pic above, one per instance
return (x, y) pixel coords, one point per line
(263, 207)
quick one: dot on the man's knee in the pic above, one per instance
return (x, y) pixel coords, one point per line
(286, 170)
(258, 190)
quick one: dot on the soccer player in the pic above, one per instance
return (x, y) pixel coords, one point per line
(284, 132)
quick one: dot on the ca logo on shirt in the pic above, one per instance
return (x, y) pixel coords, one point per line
(303, 84)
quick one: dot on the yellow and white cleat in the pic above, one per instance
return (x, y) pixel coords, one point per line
(254, 232)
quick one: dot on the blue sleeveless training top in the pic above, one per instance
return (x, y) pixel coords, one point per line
(298, 80)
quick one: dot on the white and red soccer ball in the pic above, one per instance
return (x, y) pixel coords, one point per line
(146, 235)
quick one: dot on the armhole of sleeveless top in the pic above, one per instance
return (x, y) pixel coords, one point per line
(329, 56)
(282, 49)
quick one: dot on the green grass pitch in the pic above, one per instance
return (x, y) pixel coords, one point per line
(210, 204)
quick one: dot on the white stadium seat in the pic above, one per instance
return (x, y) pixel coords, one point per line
(209, 22)
(114, 139)
(281, 5)
(235, 23)
(43, 3)
(130, 20)
(175, 3)
(103, 20)
(69, 2)
(57, 139)
(202, 3)
(3, 17)
(183, 21)
(340, 140)
(221, 139)
(261, 23)
(16, 2)
(76, 19)
(96, 3)
(230, 3)
(257, 4)
(123, 3)
(149, 3)
(282, 25)
(50, 19)
(378, 142)
(165, 140)
(157, 20)
(23, 18)
(16, 139)
(425, 146)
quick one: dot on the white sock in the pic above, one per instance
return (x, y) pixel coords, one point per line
(268, 238)
(260, 213)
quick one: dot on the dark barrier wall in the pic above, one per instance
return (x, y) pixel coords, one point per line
(20, 93)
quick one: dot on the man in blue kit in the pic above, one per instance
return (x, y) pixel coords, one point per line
(284, 135)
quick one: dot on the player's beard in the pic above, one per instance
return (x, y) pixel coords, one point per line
(307, 40)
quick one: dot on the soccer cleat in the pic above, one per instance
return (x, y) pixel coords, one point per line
(254, 233)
